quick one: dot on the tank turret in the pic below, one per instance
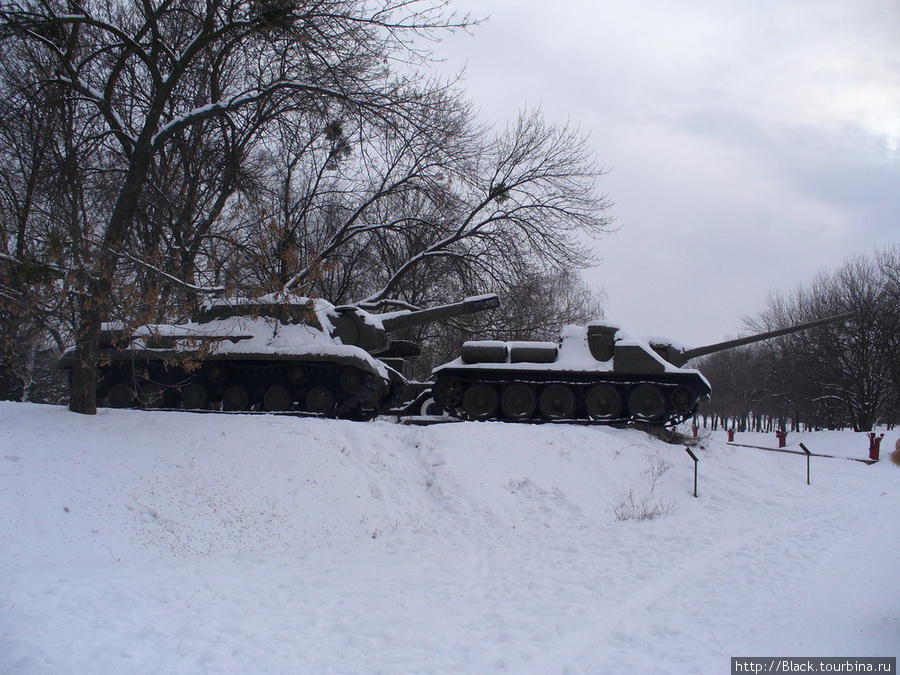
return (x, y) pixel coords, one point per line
(596, 372)
(271, 353)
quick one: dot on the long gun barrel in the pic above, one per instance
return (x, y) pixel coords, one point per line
(369, 331)
(423, 316)
(680, 358)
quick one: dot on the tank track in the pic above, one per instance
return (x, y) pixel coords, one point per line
(636, 400)
(303, 387)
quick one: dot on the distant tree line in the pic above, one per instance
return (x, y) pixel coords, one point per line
(155, 153)
(844, 375)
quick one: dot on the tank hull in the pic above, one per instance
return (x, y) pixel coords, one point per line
(333, 386)
(274, 353)
(595, 373)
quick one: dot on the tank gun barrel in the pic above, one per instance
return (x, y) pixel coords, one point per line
(403, 320)
(687, 355)
(370, 331)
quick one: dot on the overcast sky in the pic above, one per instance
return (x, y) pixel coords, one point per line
(748, 145)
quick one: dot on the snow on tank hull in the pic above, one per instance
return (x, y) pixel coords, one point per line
(596, 374)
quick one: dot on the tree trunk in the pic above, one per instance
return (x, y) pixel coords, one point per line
(83, 380)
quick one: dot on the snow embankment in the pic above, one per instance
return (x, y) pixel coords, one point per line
(137, 542)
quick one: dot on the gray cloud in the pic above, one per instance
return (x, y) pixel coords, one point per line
(749, 144)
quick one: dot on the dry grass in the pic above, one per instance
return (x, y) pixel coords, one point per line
(632, 509)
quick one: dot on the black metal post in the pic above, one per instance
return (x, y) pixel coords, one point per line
(696, 462)
(808, 455)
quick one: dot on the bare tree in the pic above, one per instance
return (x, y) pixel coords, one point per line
(30, 233)
(888, 261)
(525, 203)
(412, 217)
(839, 373)
(272, 146)
(140, 81)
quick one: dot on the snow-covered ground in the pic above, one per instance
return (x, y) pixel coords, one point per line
(170, 543)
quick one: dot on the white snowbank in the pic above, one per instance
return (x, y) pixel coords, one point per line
(149, 542)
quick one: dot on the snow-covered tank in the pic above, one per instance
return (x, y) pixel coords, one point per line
(270, 353)
(596, 372)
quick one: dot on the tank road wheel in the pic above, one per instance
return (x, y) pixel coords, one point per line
(278, 398)
(480, 401)
(297, 375)
(647, 403)
(194, 396)
(320, 400)
(557, 402)
(151, 394)
(235, 398)
(215, 372)
(448, 392)
(120, 396)
(430, 408)
(603, 402)
(683, 399)
(518, 401)
(352, 380)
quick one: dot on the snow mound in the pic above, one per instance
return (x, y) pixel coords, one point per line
(134, 542)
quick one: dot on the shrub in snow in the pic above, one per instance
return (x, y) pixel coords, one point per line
(632, 509)
(658, 468)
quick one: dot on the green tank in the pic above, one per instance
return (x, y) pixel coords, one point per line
(272, 354)
(594, 373)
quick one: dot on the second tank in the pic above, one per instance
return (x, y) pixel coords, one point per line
(594, 373)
